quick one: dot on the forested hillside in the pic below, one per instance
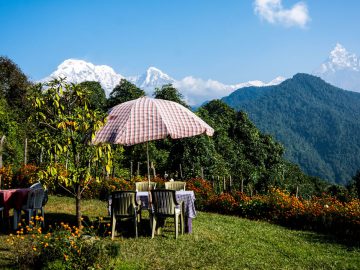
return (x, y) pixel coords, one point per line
(238, 150)
(317, 123)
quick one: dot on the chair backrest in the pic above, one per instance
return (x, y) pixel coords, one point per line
(175, 185)
(46, 197)
(36, 185)
(164, 201)
(123, 203)
(144, 186)
(35, 199)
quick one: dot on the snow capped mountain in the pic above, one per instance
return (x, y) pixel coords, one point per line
(151, 79)
(341, 69)
(194, 90)
(77, 71)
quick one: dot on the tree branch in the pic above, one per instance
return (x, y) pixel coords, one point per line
(68, 190)
(48, 125)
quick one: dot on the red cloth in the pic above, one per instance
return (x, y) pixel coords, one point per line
(13, 198)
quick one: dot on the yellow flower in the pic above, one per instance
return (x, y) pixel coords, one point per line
(34, 248)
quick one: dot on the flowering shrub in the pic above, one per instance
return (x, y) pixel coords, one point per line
(325, 213)
(203, 190)
(160, 182)
(224, 203)
(102, 190)
(6, 173)
(63, 247)
(254, 207)
(25, 176)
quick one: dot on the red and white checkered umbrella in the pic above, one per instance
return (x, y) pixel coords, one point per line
(146, 119)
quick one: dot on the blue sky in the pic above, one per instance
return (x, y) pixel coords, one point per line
(228, 41)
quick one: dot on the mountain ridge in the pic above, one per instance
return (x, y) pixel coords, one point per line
(317, 123)
(195, 90)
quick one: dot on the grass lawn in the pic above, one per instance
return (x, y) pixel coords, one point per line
(217, 242)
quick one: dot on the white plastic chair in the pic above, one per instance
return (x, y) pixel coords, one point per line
(36, 185)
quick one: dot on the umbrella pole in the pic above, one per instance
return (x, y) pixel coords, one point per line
(148, 171)
(148, 167)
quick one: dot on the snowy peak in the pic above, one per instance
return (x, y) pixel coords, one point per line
(341, 69)
(78, 71)
(152, 78)
(276, 81)
(339, 59)
(195, 90)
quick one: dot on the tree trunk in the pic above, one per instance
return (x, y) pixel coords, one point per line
(78, 206)
(1, 159)
(25, 151)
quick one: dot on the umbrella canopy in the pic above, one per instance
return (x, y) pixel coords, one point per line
(146, 119)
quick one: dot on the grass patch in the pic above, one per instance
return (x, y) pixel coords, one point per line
(217, 242)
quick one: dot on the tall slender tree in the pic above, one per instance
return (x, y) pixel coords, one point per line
(66, 127)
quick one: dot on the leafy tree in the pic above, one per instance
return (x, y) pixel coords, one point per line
(123, 92)
(97, 98)
(66, 127)
(12, 150)
(13, 84)
(169, 92)
(14, 109)
(354, 184)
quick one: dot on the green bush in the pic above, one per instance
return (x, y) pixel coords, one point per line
(63, 247)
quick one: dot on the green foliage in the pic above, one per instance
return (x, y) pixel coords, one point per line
(66, 128)
(14, 134)
(317, 123)
(123, 92)
(245, 152)
(169, 92)
(354, 185)
(97, 97)
(13, 84)
(14, 110)
(62, 247)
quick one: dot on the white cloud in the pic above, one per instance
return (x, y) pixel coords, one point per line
(274, 12)
(196, 90)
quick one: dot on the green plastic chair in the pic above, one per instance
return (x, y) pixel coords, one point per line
(144, 186)
(175, 185)
(124, 206)
(165, 205)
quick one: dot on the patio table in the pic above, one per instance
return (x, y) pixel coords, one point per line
(13, 198)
